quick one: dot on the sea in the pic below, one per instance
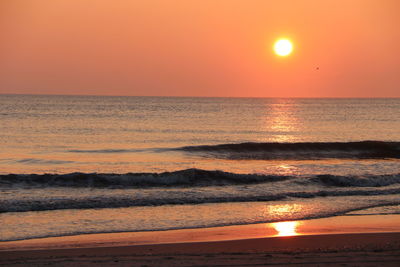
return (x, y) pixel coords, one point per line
(74, 165)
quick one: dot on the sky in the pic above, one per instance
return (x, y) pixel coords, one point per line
(216, 48)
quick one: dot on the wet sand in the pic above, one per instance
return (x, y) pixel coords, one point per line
(344, 249)
(373, 248)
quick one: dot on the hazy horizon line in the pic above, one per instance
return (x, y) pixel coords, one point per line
(177, 96)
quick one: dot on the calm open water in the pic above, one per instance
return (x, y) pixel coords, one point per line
(91, 164)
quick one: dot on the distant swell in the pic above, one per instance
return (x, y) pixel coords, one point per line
(305, 150)
(100, 151)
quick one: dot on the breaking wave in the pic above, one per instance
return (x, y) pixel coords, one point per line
(304, 150)
(357, 181)
(183, 178)
(186, 178)
(190, 188)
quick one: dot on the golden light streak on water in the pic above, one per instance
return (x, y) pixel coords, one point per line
(286, 228)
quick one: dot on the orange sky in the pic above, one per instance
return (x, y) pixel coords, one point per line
(200, 47)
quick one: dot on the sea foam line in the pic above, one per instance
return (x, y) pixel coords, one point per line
(93, 202)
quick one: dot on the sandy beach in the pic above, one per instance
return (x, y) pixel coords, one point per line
(329, 250)
(349, 243)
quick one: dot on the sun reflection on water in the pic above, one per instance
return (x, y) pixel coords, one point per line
(282, 212)
(286, 228)
(282, 120)
(285, 169)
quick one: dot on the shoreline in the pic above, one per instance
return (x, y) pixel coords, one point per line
(368, 249)
(370, 241)
(344, 224)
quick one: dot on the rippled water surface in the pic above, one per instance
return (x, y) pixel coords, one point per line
(157, 163)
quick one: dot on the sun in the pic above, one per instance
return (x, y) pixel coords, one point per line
(283, 47)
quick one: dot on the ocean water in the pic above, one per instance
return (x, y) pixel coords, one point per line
(91, 164)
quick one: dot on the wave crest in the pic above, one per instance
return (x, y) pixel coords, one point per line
(186, 178)
(357, 181)
(183, 178)
(305, 150)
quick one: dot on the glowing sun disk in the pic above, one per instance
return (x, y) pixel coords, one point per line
(283, 47)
